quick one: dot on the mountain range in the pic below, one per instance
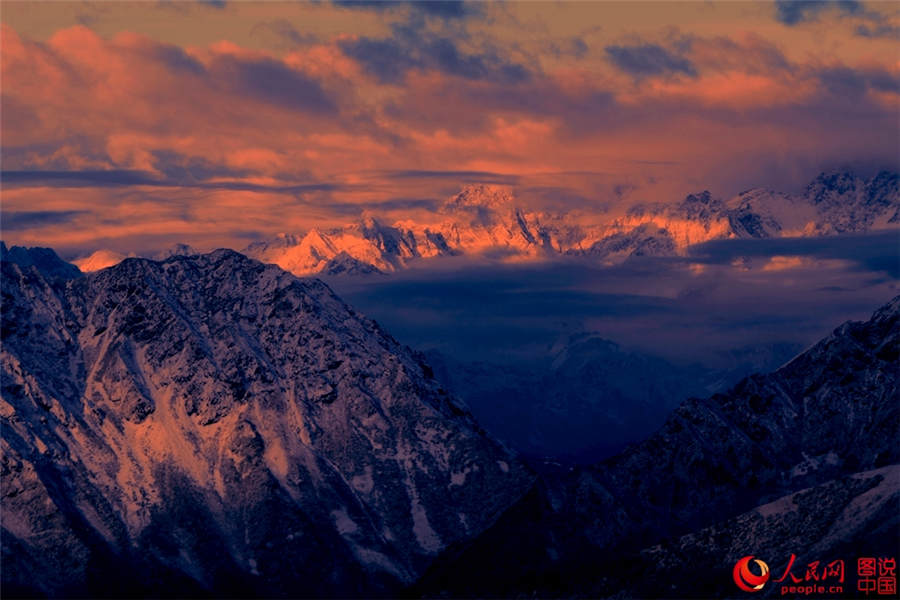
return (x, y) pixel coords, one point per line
(488, 221)
(210, 425)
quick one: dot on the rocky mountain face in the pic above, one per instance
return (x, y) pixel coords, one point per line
(827, 422)
(836, 520)
(488, 221)
(846, 203)
(45, 260)
(213, 425)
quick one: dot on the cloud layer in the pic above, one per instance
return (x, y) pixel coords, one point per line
(696, 309)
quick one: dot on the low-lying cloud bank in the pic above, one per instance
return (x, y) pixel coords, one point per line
(729, 295)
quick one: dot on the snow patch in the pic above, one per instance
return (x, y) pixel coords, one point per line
(345, 525)
(373, 558)
(426, 536)
(778, 507)
(814, 463)
(463, 520)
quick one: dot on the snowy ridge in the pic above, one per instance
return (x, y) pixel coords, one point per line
(487, 221)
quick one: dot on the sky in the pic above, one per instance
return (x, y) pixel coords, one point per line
(132, 126)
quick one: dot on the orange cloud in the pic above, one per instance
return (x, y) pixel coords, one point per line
(221, 141)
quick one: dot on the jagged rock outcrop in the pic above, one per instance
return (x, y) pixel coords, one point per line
(45, 260)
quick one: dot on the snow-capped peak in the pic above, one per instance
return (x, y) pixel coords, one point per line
(482, 197)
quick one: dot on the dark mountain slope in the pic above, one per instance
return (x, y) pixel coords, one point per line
(831, 412)
(208, 424)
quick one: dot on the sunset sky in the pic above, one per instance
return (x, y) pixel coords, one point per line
(135, 125)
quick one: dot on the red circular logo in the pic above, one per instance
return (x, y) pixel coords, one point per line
(746, 579)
